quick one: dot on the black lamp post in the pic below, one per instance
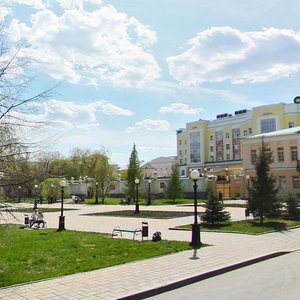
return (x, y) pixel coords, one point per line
(196, 242)
(35, 196)
(19, 194)
(248, 185)
(137, 207)
(61, 225)
(96, 186)
(149, 192)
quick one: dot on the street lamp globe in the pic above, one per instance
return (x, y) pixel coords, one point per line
(136, 181)
(62, 183)
(195, 175)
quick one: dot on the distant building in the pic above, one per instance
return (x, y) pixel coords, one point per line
(159, 167)
(215, 147)
(285, 148)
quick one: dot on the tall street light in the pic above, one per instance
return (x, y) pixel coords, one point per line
(19, 193)
(61, 225)
(96, 186)
(248, 185)
(137, 207)
(35, 196)
(149, 192)
(195, 243)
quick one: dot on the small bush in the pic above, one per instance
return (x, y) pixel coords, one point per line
(293, 206)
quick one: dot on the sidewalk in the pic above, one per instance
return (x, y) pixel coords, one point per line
(152, 274)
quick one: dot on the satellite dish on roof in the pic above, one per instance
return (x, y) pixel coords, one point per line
(297, 100)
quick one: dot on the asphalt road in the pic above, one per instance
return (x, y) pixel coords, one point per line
(276, 278)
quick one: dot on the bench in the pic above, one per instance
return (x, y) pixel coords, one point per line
(36, 224)
(120, 230)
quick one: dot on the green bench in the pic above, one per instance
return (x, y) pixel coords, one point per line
(135, 231)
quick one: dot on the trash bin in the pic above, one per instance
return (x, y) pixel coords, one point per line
(145, 230)
(26, 221)
(247, 212)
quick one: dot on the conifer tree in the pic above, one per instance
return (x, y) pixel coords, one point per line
(214, 210)
(134, 171)
(262, 192)
(173, 190)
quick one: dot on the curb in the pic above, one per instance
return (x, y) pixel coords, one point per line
(187, 281)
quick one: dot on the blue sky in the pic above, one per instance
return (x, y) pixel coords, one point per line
(135, 71)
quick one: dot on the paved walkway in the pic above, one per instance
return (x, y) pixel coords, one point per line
(226, 250)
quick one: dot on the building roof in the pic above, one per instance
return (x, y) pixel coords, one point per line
(287, 131)
(163, 159)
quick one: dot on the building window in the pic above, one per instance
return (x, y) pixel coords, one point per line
(282, 182)
(236, 144)
(227, 156)
(212, 158)
(267, 125)
(245, 132)
(219, 145)
(211, 148)
(280, 154)
(296, 182)
(180, 161)
(227, 146)
(195, 155)
(253, 156)
(162, 185)
(294, 155)
(250, 130)
(180, 152)
(227, 135)
(182, 173)
(180, 142)
(291, 124)
(268, 152)
(211, 137)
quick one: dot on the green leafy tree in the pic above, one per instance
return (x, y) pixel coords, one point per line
(173, 190)
(97, 168)
(263, 191)
(214, 210)
(51, 186)
(134, 171)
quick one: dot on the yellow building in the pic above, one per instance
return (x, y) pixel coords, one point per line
(215, 147)
(285, 148)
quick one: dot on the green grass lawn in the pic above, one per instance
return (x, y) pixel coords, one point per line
(144, 214)
(142, 201)
(28, 255)
(44, 210)
(247, 226)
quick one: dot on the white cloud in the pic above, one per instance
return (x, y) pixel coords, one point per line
(150, 125)
(223, 53)
(96, 46)
(180, 108)
(69, 115)
(4, 12)
(36, 4)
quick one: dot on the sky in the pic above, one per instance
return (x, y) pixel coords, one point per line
(135, 71)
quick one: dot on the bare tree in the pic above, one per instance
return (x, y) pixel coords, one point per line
(22, 135)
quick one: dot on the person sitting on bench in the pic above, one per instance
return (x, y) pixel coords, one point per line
(40, 219)
(126, 200)
(34, 217)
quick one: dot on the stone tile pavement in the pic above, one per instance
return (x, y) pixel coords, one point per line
(133, 279)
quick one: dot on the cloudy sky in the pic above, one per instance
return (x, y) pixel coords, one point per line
(135, 71)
